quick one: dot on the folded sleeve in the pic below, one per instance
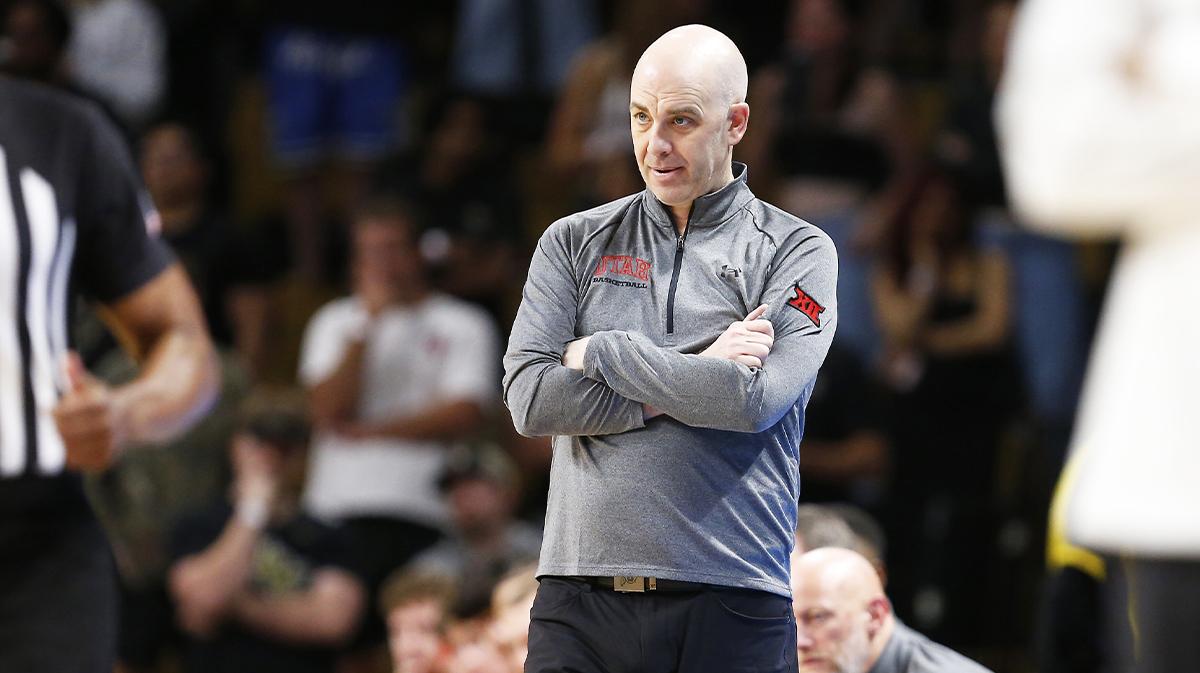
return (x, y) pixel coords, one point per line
(544, 397)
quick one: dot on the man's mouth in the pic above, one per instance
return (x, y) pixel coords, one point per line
(664, 171)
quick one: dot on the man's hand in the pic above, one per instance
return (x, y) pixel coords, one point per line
(573, 357)
(257, 470)
(746, 341)
(91, 417)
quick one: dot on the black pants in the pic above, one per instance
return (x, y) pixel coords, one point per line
(580, 628)
(58, 595)
(1153, 609)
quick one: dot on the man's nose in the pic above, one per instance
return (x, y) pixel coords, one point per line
(803, 642)
(659, 144)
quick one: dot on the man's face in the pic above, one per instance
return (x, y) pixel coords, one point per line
(33, 52)
(414, 636)
(170, 167)
(680, 135)
(479, 506)
(385, 253)
(831, 634)
(510, 632)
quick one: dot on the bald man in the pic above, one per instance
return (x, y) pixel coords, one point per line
(844, 622)
(669, 342)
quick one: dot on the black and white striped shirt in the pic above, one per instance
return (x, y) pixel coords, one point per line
(74, 217)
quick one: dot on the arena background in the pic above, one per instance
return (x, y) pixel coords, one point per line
(870, 118)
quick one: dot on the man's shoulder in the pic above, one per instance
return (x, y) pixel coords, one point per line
(781, 226)
(342, 310)
(48, 107)
(913, 652)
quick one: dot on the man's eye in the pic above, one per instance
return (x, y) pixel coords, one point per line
(816, 617)
(681, 121)
(642, 117)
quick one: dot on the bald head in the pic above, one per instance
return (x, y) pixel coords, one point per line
(838, 573)
(843, 618)
(701, 55)
(687, 110)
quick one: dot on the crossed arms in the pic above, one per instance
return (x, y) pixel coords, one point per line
(614, 380)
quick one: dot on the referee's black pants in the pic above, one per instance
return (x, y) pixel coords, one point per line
(58, 594)
(582, 628)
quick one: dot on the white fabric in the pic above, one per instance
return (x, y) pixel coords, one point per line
(1100, 119)
(118, 52)
(440, 351)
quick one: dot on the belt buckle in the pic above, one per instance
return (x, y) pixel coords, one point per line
(634, 584)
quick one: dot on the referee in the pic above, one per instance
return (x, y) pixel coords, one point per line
(74, 219)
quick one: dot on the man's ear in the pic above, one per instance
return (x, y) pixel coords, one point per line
(879, 608)
(739, 117)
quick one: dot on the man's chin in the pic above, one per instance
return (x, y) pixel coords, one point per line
(817, 665)
(671, 196)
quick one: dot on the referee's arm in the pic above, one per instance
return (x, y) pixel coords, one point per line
(161, 324)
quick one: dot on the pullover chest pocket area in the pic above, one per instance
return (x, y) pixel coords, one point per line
(680, 291)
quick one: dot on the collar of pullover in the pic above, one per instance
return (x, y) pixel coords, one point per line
(708, 210)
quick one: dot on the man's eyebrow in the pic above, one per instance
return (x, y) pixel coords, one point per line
(634, 105)
(684, 110)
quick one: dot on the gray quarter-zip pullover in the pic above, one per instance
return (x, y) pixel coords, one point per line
(708, 492)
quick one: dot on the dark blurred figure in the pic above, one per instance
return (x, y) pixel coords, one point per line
(259, 586)
(944, 310)
(587, 147)
(336, 73)
(1050, 323)
(34, 42)
(461, 182)
(516, 53)
(486, 542)
(118, 53)
(232, 270)
(845, 453)
(830, 133)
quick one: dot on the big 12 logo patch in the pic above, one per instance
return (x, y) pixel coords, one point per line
(805, 304)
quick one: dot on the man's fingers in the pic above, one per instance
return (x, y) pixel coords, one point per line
(760, 326)
(749, 361)
(74, 373)
(760, 351)
(757, 313)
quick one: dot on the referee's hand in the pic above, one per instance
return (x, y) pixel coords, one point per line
(90, 418)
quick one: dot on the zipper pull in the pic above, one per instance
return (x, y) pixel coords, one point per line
(679, 243)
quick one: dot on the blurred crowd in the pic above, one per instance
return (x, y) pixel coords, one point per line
(355, 189)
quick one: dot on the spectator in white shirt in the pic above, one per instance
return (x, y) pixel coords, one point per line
(395, 372)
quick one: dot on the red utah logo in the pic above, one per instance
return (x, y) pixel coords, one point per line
(624, 265)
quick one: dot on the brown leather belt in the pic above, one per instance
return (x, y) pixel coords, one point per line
(639, 584)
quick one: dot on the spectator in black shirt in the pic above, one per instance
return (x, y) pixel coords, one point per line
(260, 586)
(232, 270)
(844, 453)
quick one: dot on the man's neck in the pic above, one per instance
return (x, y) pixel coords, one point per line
(880, 640)
(680, 213)
(409, 296)
(178, 218)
